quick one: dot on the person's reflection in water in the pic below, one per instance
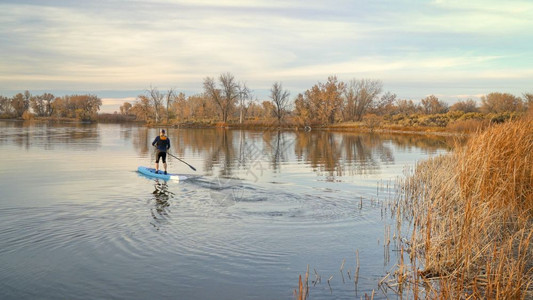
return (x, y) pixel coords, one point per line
(161, 197)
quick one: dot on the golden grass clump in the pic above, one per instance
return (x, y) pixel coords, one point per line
(472, 217)
(468, 125)
(496, 167)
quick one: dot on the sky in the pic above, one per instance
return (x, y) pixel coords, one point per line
(118, 49)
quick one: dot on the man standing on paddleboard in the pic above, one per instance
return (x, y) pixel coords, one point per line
(162, 143)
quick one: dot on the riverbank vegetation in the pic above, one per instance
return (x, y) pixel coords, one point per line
(471, 219)
(358, 104)
(46, 106)
(334, 104)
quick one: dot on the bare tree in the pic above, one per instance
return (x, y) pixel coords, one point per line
(37, 105)
(244, 94)
(170, 95)
(27, 97)
(226, 96)
(156, 99)
(230, 93)
(213, 93)
(466, 106)
(406, 107)
(385, 104)
(432, 105)
(280, 98)
(360, 96)
(501, 102)
(41, 104)
(48, 98)
(5, 105)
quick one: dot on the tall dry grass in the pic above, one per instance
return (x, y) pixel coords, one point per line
(468, 126)
(471, 216)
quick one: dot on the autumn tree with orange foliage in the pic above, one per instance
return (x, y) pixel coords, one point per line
(323, 102)
(82, 107)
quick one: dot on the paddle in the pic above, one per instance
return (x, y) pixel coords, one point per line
(182, 161)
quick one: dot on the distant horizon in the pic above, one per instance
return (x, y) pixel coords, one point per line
(451, 49)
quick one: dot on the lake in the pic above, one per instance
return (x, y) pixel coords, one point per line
(77, 221)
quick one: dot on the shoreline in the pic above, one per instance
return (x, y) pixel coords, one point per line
(340, 127)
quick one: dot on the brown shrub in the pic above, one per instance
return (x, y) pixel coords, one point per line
(27, 115)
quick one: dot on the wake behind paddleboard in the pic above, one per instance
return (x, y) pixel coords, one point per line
(150, 172)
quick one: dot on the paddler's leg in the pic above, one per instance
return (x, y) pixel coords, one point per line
(157, 162)
(164, 157)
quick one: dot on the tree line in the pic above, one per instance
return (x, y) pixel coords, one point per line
(224, 99)
(26, 106)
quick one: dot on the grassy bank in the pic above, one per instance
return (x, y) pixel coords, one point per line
(471, 219)
(446, 123)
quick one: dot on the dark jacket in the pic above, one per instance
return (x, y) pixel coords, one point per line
(162, 143)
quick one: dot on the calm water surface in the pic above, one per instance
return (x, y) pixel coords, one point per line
(78, 222)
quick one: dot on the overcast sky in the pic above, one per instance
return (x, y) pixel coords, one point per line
(116, 49)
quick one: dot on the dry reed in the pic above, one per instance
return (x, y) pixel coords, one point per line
(303, 287)
(471, 214)
(468, 126)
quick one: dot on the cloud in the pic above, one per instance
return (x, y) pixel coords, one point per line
(133, 44)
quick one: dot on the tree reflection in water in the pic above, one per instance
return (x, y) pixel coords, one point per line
(51, 135)
(226, 152)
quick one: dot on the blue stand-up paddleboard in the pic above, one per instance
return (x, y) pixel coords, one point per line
(150, 172)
